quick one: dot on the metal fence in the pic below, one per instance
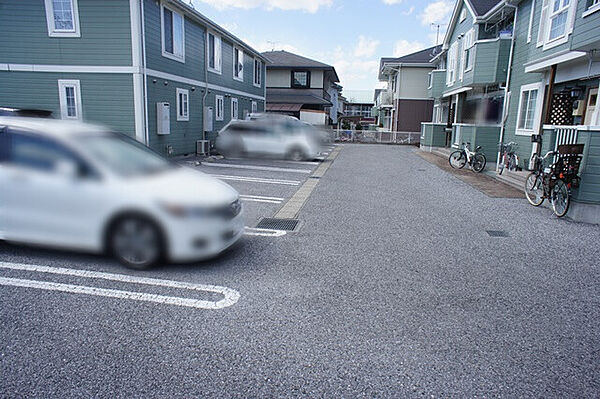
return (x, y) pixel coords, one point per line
(377, 137)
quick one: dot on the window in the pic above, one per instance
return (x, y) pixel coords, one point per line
(69, 95)
(183, 105)
(530, 106)
(556, 22)
(301, 79)
(62, 17)
(254, 107)
(173, 34)
(219, 108)
(451, 70)
(238, 64)
(234, 109)
(463, 14)
(592, 5)
(531, 14)
(257, 72)
(214, 53)
(468, 42)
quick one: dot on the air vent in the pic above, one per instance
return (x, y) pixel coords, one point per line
(497, 233)
(278, 224)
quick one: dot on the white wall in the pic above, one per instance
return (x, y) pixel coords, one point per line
(413, 82)
(313, 117)
(279, 78)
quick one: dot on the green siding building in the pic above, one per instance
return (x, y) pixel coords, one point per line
(521, 69)
(158, 71)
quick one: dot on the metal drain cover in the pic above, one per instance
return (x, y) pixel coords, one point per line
(497, 233)
(278, 224)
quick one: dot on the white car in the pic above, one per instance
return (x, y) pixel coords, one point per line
(80, 186)
(270, 136)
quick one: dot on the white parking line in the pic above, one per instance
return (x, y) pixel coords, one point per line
(230, 296)
(283, 161)
(258, 180)
(255, 167)
(253, 231)
(258, 198)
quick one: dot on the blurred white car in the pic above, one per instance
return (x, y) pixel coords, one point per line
(75, 185)
(270, 136)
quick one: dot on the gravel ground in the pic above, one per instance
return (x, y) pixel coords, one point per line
(391, 288)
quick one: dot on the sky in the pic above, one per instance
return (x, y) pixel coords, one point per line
(351, 35)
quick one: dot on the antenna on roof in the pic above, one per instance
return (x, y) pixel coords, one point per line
(272, 45)
(437, 36)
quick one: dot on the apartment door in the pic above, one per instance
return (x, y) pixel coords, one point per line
(592, 100)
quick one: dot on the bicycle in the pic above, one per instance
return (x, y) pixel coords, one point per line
(459, 158)
(554, 182)
(508, 157)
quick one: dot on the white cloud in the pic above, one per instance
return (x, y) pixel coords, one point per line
(311, 6)
(366, 47)
(409, 11)
(437, 12)
(392, 1)
(404, 47)
(355, 73)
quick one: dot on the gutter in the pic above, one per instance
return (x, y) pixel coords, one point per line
(506, 102)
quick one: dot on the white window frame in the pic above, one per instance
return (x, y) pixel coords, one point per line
(468, 47)
(183, 116)
(235, 111)
(254, 107)
(594, 7)
(537, 115)
(255, 75)
(546, 24)
(241, 56)
(463, 14)
(52, 31)
(162, 34)
(219, 106)
(218, 53)
(62, 96)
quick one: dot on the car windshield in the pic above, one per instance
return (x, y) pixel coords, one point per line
(125, 156)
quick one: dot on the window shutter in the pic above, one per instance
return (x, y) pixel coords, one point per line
(571, 17)
(463, 56)
(218, 53)
(543, 23)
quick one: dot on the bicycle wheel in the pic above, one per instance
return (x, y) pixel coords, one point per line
(534, 192)
(561, 199)
(478, 163)
(457, 159)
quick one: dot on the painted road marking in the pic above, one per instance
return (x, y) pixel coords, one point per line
(230, 296)
(254, 167)
(285, 161)
(253, 231)
(259, 198)
(258, 180)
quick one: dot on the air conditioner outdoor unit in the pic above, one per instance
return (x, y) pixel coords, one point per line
(202, 147)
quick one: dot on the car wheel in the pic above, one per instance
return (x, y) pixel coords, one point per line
(136, 242)
(296, 154)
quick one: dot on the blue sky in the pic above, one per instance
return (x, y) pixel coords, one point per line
(349, 34)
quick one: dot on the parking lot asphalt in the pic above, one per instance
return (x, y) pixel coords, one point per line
(391, 287)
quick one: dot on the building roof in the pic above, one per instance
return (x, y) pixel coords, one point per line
(284, 59)
(293, 96)
(482, 7)
(421, 58)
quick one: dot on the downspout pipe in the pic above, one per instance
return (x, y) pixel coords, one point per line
(507, 85)
(205, 84)
(144, 74)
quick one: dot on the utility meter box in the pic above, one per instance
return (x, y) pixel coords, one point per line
(208, 119)
(163, 119)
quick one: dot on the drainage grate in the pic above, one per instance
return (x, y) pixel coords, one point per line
(278, 224)
(497, 233)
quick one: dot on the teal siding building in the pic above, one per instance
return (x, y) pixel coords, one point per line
(524, 71)
(158, 71)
